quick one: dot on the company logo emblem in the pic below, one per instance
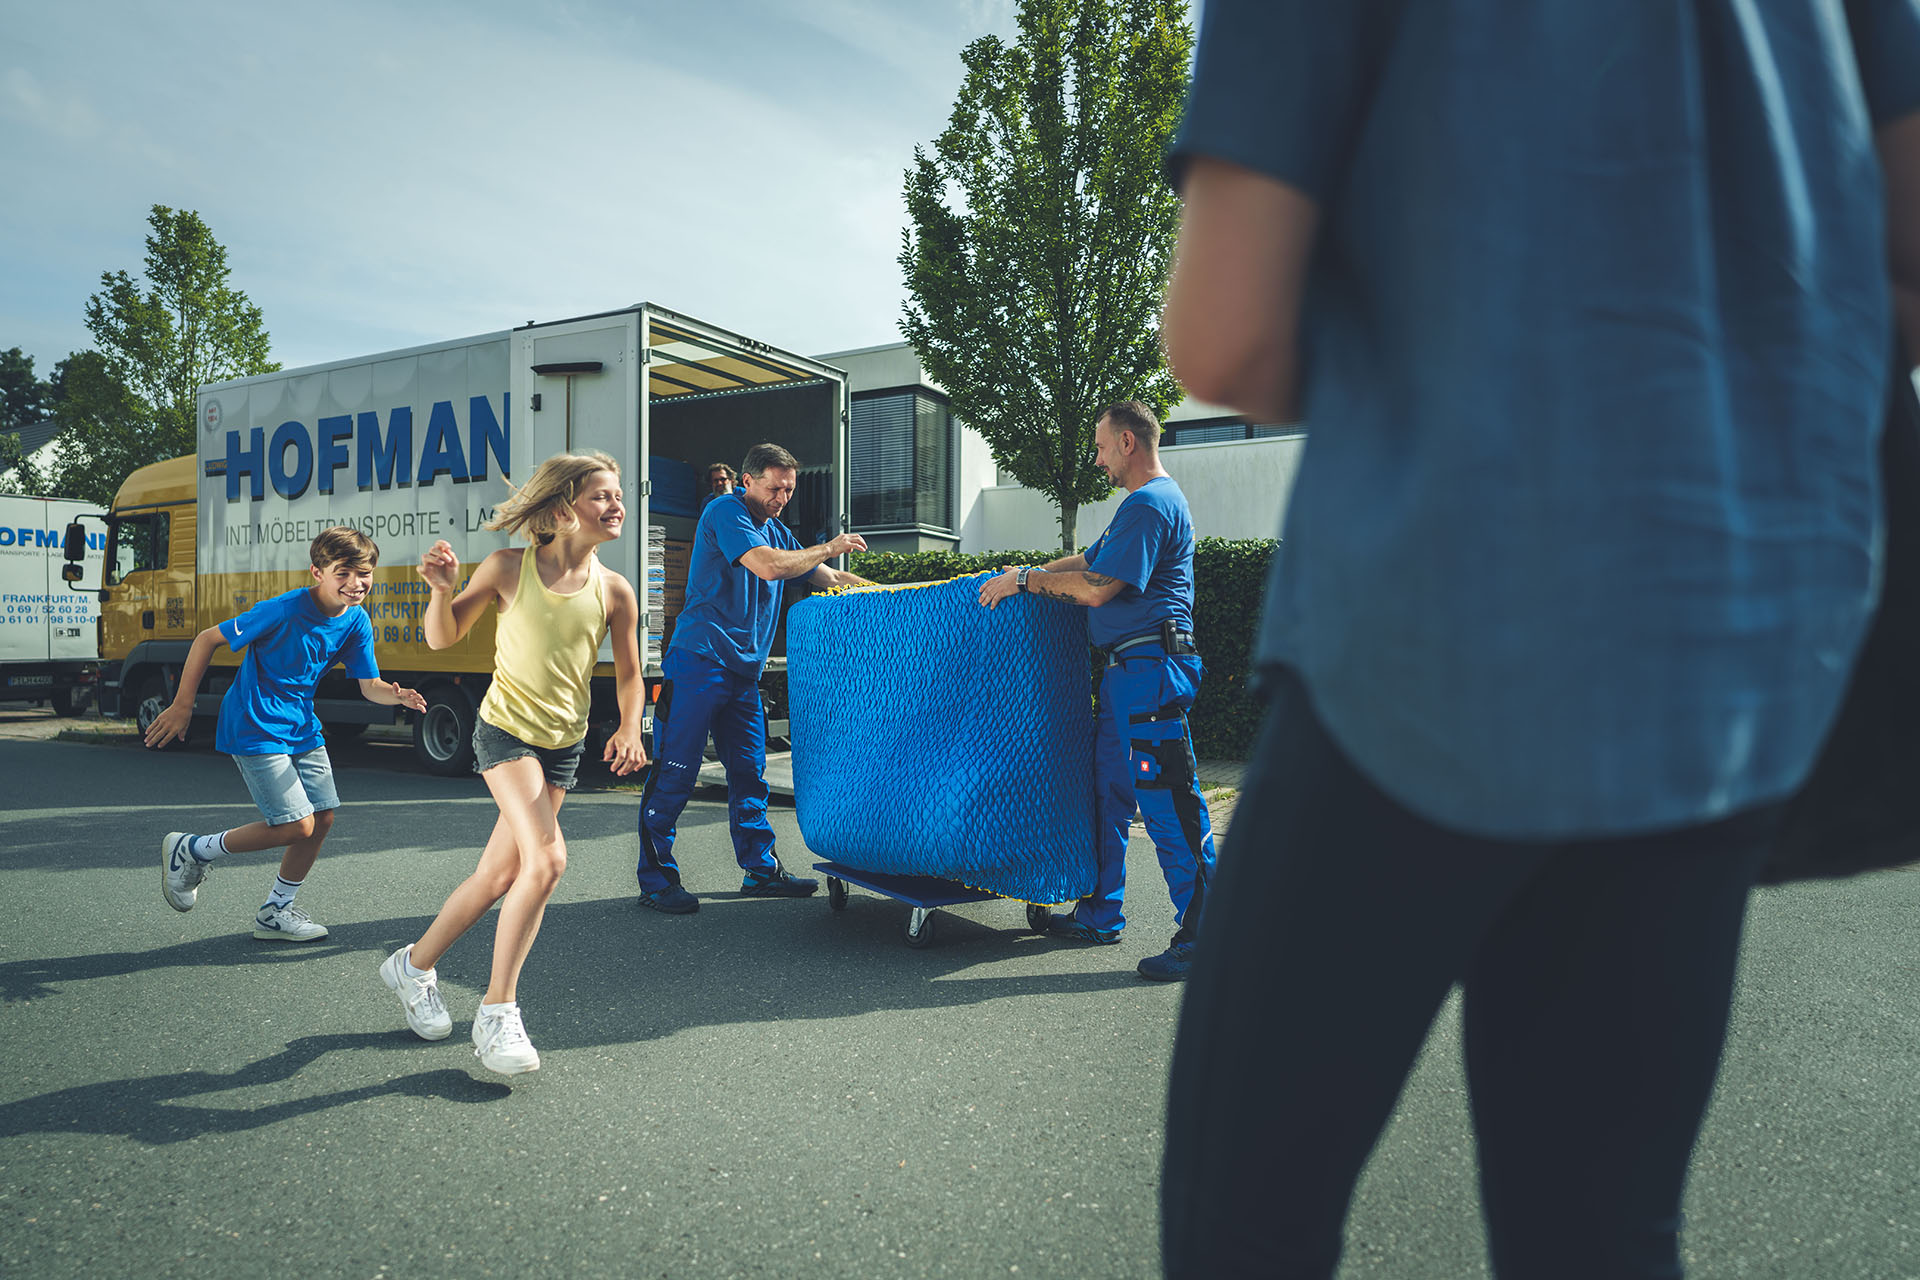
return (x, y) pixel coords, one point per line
(210, 419)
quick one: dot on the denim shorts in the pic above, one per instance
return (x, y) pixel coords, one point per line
(288, 788)
(493, 745)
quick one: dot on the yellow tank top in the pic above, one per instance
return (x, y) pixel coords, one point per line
(544, 650)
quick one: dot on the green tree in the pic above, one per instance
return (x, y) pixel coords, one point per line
(131, 401)
(24, 401)
(1041, 234)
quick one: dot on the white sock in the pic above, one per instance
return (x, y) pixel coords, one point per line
(491, 1010)
(207, 848)
(406, 962)
(283, 891)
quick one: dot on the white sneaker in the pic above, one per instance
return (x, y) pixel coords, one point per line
(286, 924)
(180, 872)
(501, 1044)
(420, 997)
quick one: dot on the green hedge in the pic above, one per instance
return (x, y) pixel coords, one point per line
(1229, 577)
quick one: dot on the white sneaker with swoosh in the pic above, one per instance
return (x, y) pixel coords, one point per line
(180, 872)
(287, 924)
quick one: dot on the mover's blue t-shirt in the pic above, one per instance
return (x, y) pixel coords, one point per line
(1148, 546)
(290, 644)
(730, 614)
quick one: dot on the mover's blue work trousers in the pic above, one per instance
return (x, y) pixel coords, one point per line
(1143, 757)
(1596, 974)
(699, 697)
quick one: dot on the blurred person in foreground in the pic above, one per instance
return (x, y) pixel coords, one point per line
(1588, 309)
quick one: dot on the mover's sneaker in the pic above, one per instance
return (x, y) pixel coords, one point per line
(1170, 965)
(180, 872)
(777, 884)
(286, 924)
(420, 997)
(501, 1044)
(673, 900)
(1068, 929)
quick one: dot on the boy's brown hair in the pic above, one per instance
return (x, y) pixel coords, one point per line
(343, 542)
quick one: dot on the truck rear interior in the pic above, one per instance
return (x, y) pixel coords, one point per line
(711, 401)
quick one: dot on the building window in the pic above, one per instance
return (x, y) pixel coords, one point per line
(902, 461)
(1211, 430)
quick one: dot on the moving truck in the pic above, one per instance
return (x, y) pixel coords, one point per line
(421, 444)
(47, 641)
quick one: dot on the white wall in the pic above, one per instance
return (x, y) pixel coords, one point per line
(1236, 489)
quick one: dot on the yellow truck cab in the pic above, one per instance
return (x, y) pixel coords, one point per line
(148, 611)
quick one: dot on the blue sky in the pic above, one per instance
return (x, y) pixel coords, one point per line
(385, 175)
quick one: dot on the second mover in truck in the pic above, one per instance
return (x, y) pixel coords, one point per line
(421, 444)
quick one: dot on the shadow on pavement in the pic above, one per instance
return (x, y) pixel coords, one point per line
(42, 978)
(149, 1109)
(610, 972)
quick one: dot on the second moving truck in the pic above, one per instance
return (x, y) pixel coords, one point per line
(421, 444)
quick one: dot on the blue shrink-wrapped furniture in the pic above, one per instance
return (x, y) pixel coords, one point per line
(934, 737)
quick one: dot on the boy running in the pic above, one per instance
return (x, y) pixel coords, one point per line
(267, 724)
(556, 603)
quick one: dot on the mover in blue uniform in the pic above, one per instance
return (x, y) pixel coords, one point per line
(743, 557)
(1138, 579)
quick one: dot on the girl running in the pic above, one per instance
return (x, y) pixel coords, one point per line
(556, 603)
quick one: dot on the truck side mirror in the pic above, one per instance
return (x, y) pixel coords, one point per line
(74, 547)
(72, 572)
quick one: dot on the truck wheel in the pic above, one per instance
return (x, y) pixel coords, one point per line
(66, 702)
(443, 735)
(149, 703)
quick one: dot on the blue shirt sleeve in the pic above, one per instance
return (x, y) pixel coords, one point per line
(1886, 44)
(1279, 87)
(734, 531)
(256, 623)
(1130, 547)
(356, 652)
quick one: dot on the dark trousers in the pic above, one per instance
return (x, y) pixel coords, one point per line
(701, 697)
(1597, 977)
(1143, 758)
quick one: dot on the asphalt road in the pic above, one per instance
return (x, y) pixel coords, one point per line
(765, 1089)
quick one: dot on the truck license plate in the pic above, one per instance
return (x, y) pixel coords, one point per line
(23, 682)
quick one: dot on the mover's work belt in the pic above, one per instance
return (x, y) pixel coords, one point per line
(1166, 635)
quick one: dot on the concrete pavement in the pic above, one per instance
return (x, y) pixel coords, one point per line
(765, 1089)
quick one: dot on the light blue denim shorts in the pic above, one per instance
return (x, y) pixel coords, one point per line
(288, 788)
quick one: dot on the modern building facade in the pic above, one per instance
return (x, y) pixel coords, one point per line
(923, 480)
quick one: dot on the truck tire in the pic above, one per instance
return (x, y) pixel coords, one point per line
(66, 702)
(443, 733)
(150, 701)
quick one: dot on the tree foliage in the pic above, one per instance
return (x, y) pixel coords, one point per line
(24, 402)
(131, 400)
(1033, 298)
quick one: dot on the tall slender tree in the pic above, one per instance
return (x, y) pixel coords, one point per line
(1041, 234)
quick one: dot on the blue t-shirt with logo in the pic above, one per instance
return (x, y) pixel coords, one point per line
(731, 613)
(290, 644)
(1149, 547)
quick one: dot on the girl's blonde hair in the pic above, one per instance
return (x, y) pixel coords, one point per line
(539, 508)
